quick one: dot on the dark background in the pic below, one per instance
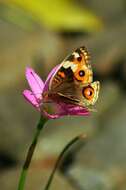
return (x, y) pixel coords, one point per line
(40, 34)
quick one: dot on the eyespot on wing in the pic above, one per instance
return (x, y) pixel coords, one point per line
(88, 92)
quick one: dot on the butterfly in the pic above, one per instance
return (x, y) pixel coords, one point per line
(73, 80)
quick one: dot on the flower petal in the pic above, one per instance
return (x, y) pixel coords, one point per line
(35, 82)
(55, 108)
(50, 75)
(29, 96)
(51, 116)
(71, 109)
(77, 110)
(61, 109)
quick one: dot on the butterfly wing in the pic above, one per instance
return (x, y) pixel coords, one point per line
(84, 95)
(75, 67)
(74, 75)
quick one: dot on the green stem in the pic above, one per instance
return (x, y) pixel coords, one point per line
(60, 158)
(30, 153)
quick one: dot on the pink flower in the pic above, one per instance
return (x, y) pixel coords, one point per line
(35, 97)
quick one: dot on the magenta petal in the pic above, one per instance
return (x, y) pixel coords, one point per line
(29, 96)
(35, 82)
(50, 75)
(52, 72)
(64, 109)
(51, 116)
(71, 109)
(77, 110)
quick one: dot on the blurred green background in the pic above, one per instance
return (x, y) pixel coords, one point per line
(40, 34)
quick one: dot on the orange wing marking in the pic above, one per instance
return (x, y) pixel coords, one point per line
(61, 74)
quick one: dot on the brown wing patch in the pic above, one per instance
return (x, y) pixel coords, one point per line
(61, 79)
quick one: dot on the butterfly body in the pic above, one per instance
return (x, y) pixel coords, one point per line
(73, 80)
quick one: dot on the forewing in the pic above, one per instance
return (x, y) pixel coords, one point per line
(75, 69)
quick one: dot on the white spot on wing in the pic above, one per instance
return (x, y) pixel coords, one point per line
(76, 54)
(67, 64)
(74, 67)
